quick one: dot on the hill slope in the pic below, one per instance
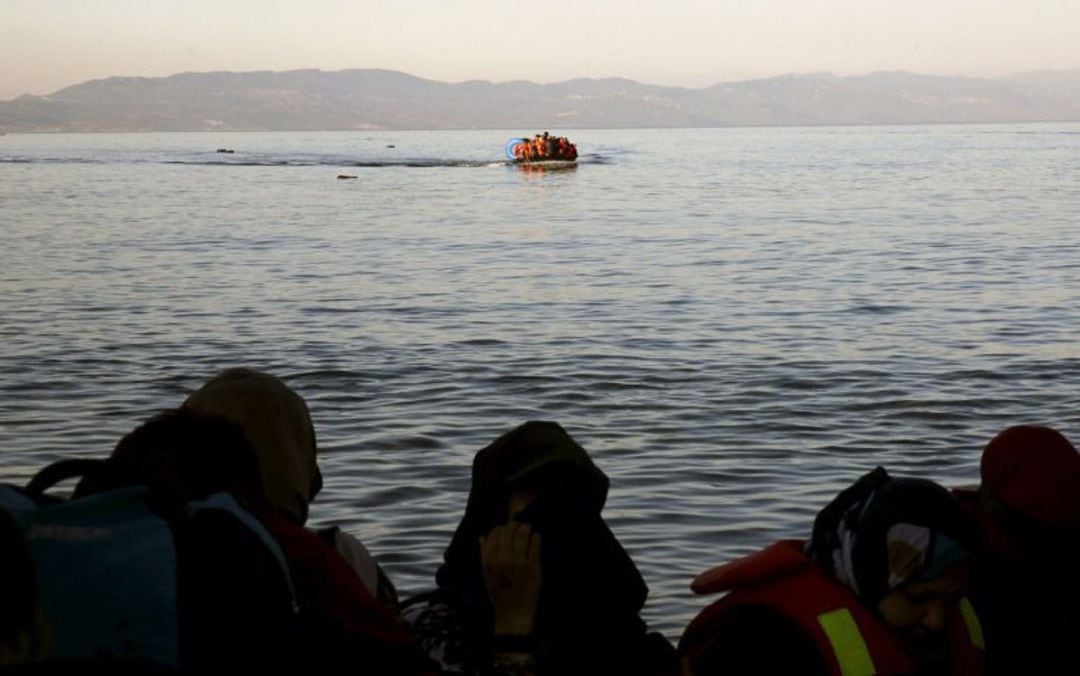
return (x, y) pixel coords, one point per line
(381, 99)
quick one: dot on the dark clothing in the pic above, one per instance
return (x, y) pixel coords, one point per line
(1030, 602)
(1027, 508)
(590, 593)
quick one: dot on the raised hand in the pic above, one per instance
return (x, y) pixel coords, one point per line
(510, 559)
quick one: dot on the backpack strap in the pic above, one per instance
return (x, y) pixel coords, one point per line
(50, 475)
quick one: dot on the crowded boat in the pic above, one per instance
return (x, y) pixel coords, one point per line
(541, 148)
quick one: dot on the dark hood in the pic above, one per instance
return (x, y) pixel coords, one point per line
(591, 591)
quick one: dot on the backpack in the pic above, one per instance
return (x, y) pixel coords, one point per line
(136, 578)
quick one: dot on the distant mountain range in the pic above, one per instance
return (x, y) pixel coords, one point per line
(382, 99)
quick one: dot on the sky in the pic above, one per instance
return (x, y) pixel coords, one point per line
(49, 44)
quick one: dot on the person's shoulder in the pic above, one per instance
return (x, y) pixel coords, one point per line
(318, 567)
(361, 561)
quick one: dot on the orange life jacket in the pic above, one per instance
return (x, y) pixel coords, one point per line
(849, 638)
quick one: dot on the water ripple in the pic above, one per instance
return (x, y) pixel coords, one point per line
(735, 329)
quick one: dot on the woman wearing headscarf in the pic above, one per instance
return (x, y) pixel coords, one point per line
(1028, 509)
(533, 580)
(878, 588)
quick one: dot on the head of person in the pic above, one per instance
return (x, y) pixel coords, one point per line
(1030, 493)
(538, 474)
(276, 421)
(903, 547)
(536, 465)
(188, 453)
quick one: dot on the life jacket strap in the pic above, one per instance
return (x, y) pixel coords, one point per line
(847, 643)
(974, 626)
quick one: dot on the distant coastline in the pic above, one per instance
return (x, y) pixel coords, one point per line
(370, 100)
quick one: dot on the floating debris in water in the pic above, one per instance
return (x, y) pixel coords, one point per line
(345, 176)
(226, 150)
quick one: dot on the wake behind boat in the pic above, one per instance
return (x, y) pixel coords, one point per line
(542, 149)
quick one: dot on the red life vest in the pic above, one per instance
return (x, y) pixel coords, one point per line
(850, 639)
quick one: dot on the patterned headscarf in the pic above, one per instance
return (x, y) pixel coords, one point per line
(883, 533)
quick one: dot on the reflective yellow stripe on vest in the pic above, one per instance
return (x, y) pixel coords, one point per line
(974, 627)
(847, 642)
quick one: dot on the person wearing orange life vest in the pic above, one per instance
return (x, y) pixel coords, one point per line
(878, 589)
(541, 148)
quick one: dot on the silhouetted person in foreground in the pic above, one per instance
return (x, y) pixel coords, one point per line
(340, 622)
(1028, 508)
(276, 421)
(879, 588)
(534, 581)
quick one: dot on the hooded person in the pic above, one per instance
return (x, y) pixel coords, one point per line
(878, 588)
(585, 616)
(1028, 508)
(277, 422)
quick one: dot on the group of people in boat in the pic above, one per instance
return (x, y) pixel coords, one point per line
(898, 575)
(545, 147)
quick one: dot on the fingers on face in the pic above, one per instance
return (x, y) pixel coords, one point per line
(512, 542)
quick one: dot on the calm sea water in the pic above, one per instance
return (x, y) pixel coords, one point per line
(735, 322)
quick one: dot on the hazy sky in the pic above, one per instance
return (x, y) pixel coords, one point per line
(49, 44)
